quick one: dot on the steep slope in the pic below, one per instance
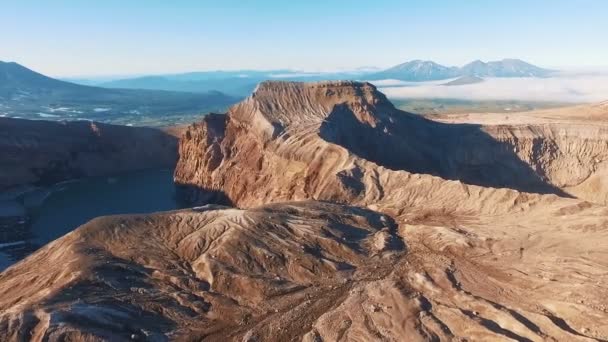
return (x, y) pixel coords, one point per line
(333, 142)
(405, 254)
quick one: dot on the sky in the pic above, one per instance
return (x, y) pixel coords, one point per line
(72, 38)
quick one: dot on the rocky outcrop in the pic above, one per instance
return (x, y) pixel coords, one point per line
(355, 221)
(344, 142)
(563, 159)
(43, 152)
(566, 147)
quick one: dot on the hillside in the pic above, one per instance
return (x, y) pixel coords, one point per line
(239, 83)
(27, 94)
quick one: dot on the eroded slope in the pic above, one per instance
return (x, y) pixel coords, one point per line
(312, 271)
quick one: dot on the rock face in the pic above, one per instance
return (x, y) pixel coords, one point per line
(356, 222)
(44, 152)
(566, 147)
(25, 93)
(326, 123)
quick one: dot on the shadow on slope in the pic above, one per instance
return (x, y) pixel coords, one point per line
(404, 141)
(189, 195)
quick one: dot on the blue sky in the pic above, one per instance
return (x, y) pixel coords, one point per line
(116, 37)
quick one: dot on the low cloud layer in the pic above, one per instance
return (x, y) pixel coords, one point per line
(565, 88)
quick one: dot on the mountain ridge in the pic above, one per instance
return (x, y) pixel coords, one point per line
(419, 70)
(28, 94)
(242, 82)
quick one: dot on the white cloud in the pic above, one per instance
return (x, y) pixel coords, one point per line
(566, 88)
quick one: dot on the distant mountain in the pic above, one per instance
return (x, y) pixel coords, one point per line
(239, 83)
(28, 94)
(503, 68)
(418, 70)
(234, 85)
(462, 80)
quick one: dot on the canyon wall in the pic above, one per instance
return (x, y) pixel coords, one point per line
(44, 152)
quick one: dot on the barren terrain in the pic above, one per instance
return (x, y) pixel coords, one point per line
(345, 219)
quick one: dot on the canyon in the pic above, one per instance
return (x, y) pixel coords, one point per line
(323, 213)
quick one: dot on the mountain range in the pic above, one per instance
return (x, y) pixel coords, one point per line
(242, 82)
(419, 70)
(238, 83)
(28, 94)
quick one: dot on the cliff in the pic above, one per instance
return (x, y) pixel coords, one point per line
(44, 152)
(307, 122)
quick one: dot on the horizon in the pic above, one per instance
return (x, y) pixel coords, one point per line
(99, 77)
(70, 39)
